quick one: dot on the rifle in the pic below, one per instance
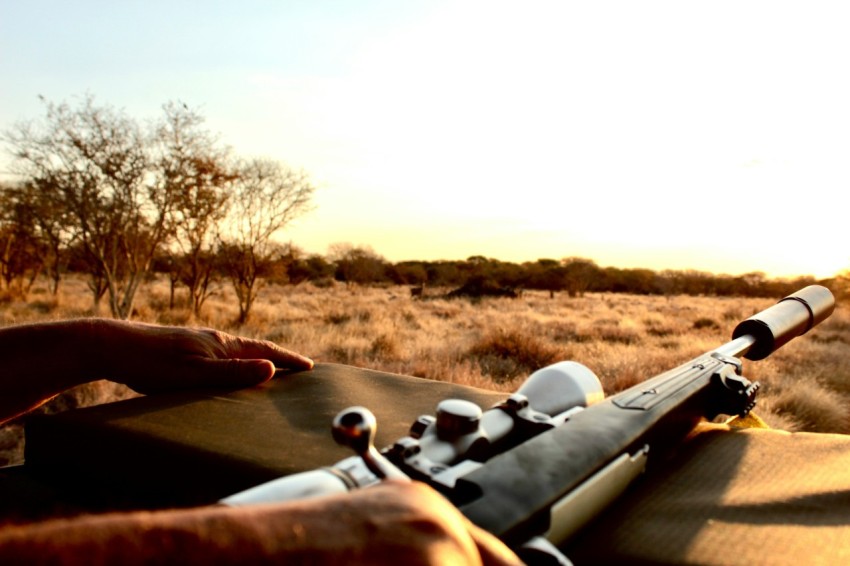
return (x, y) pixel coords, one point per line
(538, 466)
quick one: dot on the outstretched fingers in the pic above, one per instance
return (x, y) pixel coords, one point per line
(250, 349)
(152, 359)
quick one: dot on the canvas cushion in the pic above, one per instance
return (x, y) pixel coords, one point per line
(733, 496)
(197, 447)
(728, 496)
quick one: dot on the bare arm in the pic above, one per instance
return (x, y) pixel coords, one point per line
(38, 361)
(388, 524)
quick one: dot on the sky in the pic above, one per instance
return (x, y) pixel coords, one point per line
(712, 136)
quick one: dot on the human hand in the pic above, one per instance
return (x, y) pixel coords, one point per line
(150, 358)
(419, 513)
(391, 523)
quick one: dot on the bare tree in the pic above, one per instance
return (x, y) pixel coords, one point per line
(94, 161)
(266, 196)
(20, 249)
(51, 226)
(113, 196)
(195, 171)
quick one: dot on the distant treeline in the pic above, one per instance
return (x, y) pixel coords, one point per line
(575, 276)
(356, 265)
(98, 192)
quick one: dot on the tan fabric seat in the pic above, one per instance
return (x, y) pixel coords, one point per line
(729, 496)
(733, 496)
(195, 448)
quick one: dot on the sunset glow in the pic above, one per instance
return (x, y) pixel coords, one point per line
(654, 134)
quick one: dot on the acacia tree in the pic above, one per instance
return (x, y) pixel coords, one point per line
(547, 275)
(50, 226)
(579, 275)
(311, 268)
(93, 160)
(20, 249)
(193, 169)
(356, 264)
(265, 197)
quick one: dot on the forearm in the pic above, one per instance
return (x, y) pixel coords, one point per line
(193, 536)
(38, 361)
(397, 525)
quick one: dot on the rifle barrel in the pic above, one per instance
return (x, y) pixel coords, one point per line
(793, 316)
(513, 494)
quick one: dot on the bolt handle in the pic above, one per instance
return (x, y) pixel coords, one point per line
(355, 427)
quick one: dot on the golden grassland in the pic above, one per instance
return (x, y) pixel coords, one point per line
(494, 343)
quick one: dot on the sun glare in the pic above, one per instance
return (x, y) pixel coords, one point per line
(624, 132)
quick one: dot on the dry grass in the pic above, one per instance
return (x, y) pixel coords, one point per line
(495, 343)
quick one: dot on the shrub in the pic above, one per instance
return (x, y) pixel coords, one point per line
(478, 287)
(337, 318)
(512, 353)
(660, 331)
(703, 323)
(814, 407)
(324, 283)
(384, 347)
(617, 335)
(566, 332)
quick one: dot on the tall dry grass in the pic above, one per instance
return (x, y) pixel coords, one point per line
(495, 343)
